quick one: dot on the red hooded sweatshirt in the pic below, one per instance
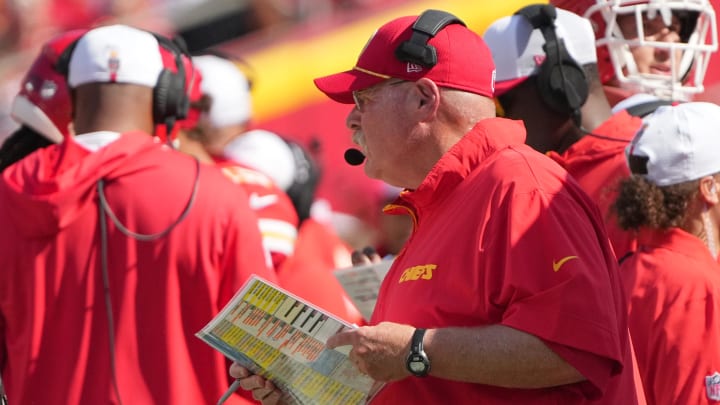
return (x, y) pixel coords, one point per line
(55, 323)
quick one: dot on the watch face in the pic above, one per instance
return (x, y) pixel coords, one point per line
(417, 366)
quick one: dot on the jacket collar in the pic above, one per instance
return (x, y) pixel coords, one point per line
(674, 239)
(487, 137)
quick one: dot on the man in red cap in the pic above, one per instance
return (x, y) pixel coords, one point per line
(507, 291)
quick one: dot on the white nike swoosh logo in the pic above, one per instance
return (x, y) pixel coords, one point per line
(258, 202)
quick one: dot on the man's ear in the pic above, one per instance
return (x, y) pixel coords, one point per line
(428, 94)
(709, 189)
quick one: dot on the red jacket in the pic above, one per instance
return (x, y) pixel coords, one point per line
(504, 236)
(277, 218)
(597, 162)
(55, 343)
(675, 317)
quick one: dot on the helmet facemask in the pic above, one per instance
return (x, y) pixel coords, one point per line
(689, 57)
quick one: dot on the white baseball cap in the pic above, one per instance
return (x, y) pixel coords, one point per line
(517, 48)
(116, 54)
(677, 144)
(265, 152)
(229, 89)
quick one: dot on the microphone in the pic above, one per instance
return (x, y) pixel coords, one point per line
(354, 157)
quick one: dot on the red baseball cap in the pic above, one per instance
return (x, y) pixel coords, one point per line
(464, 62)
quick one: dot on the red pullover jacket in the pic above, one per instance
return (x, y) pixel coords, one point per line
(55, 345)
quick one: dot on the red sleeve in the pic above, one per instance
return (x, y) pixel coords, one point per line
(278, 223)
(560, 281)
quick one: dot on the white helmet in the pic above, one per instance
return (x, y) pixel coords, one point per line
(698, 40)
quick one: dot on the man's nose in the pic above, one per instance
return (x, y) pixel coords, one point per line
(353, 119)
(668, 35)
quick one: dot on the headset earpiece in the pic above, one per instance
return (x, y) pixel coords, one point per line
(170, 96)
(561, 81)
(416, 49)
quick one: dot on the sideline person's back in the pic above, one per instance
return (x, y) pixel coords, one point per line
(672, 200)
(101, 306)
(580, 133)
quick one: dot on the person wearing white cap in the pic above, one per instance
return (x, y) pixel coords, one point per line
(222, 104)
(672, 200)
(230, 111)
(116, 249)
(570, 120)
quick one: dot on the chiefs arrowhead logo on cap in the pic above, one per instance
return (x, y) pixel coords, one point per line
(113, 65)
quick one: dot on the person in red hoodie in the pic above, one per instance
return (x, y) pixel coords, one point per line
(507, 291)
(673, 200)
(116, 249)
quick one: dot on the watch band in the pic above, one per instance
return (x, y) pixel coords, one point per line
(417, 362)
(416, 345)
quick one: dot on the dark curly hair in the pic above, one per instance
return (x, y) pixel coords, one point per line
(641, 203)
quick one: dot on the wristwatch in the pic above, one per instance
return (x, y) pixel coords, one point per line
(417, 361)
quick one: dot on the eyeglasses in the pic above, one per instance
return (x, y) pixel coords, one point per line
(364, 96)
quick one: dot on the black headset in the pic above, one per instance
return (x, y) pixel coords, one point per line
(561, 80)
(170, 94)
(428, 24)
(305, 181)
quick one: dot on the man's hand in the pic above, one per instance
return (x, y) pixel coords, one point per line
(366, 256)
(379, 351)
(263, 390)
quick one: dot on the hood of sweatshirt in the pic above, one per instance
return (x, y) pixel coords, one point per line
(49, 189)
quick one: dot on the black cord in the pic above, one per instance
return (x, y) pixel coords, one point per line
(105, 210)
(149, 237)
(106, 292)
